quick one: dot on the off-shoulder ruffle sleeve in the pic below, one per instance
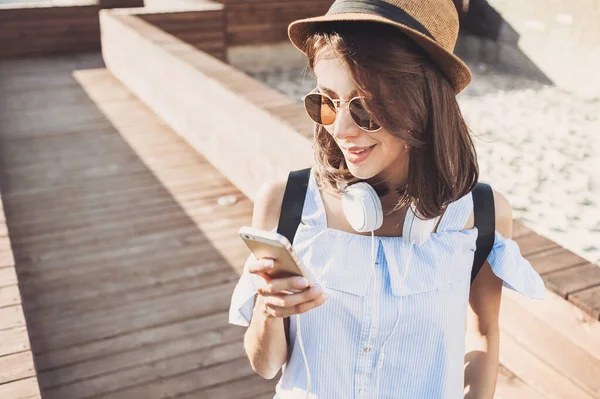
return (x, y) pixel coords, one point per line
(515, 271)
(242, 299)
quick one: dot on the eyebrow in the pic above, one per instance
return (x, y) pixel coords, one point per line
(323, 88)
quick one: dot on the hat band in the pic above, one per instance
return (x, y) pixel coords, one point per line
(381, 8)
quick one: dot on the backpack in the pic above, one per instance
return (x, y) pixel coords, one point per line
(483, 205)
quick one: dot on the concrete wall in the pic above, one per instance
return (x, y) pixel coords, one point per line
(244, 128)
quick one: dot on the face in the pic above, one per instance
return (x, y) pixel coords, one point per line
(369, 155)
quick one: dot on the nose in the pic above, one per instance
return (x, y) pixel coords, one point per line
(344, 126)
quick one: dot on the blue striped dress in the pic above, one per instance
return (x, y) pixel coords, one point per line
(343, 338)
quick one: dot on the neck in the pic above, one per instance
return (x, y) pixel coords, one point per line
(388, 182)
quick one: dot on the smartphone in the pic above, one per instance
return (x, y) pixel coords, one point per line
(268, 244)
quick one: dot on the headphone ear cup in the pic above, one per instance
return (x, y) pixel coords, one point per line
(362, 207)
(407, 229)
(377, 209)
(417, 230)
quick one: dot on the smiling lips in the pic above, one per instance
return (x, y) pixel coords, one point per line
(357, 154)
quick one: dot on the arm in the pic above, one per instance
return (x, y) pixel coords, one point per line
(264, 340)
(278, 298)
(483, 332)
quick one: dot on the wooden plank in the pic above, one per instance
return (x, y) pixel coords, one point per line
(37, 225)
(562, 317)
(509, 386)
(64, 311)
(257, 36)
(7, 271)
(22, 389)
(140, 314)
(520, 230)
(42, 13)
(555, 260)
(133, 317)
(550, 347)
(174, 238)
(55, 34)
(243, 388)
(84, 212)
(141, 356)
(163, 274)
(576, 278)
(142, 255)
(14, 340)
(265, 396)
(189, 18)
(96, 237)
(11, 317)
(5, 244)
(588, 300)
(104, 241)
(540, 376)
(132, 341)
(141, 231)
(183, 25)
(8, 276)
(15, 367)
(92, 190)
(124, 181)
(534, 243)
(164, 378)
(82, 169)
(9, 296)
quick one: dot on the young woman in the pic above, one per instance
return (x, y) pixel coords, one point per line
(388, 318)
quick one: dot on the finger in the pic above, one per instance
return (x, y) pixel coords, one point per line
(304, 307)
(278, 285)
(289, 301)
(261, 266)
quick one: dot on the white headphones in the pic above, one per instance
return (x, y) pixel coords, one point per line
(363, 210)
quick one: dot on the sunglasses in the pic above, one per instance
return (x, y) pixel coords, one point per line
(323, 109)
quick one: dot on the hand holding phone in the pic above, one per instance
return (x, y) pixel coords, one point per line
(281, 288)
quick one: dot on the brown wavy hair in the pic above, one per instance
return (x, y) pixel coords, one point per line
(410, 97)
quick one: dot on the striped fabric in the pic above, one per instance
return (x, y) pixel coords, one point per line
(343, 338)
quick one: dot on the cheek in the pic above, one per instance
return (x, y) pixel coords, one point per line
(392, 149)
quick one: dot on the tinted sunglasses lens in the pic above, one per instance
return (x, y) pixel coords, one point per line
(320, 109)
(361, 116)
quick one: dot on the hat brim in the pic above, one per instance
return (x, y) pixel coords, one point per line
(455, 70)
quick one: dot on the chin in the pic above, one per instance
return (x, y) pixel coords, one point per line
(363, 172)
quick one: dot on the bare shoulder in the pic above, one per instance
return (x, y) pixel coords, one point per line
(267, 203)
(504, 214)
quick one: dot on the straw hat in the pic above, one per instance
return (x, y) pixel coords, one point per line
(432, 24)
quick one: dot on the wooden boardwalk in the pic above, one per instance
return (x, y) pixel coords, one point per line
(123, 254)
(126, 262)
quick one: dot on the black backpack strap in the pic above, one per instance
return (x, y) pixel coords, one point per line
(485, 221)
(293, 203)
(291, 215)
